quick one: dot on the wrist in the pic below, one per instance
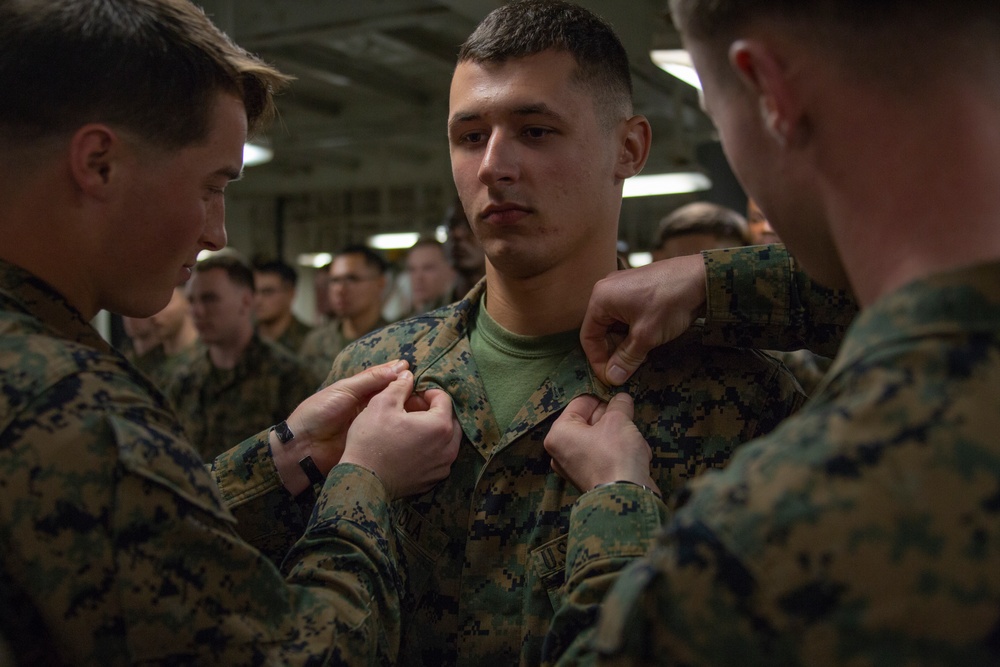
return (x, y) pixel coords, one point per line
(295, 466)
(651, 489)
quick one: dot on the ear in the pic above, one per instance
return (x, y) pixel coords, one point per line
(634, 150)
(95, 153)
(762, 71)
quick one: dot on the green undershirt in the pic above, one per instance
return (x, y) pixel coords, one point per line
(512, 366)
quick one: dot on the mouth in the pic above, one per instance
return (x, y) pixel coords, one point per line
(504, 214)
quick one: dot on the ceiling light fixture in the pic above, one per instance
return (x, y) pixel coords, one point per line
(254, 154)
(316, 260)
(666, 184)
(393, 241)
(677, 63)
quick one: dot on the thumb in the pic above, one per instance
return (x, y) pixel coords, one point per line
(371, 381)
(622, 403)
(397, 392)
(627, 357)
(581, 409)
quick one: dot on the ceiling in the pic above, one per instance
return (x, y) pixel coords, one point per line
(361, 133)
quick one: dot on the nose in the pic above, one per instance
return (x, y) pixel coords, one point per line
(499, 163)
(214, 236)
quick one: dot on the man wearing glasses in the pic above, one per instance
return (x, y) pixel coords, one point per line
(357, 283)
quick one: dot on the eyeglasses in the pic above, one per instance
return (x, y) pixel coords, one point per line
(350, 279)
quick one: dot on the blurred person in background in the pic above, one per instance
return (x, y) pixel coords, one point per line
(274, 294)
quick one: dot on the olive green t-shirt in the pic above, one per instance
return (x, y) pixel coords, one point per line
(513, 366)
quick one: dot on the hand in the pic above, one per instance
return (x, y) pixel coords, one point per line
(632, 311)
(321, 422)
(593, 443)
(408, 441)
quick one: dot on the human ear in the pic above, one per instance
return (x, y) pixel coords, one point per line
(762, 72)
(634, 151)
(94, 151)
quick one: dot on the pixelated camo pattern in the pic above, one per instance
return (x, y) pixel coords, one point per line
(220, 407)
(485, 550)
(757, 297)
(863, 531)
(115, 545)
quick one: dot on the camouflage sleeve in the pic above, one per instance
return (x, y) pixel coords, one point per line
(758, 297)
(267, 516)
(115, 534)
(610, 527)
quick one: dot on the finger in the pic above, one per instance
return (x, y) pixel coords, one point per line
(594, 337)
(598, 413)
(416, 403)
(581, 409)
(438, 401)
(396, 392)
(622, 403)
(370, 381)
(627, 357)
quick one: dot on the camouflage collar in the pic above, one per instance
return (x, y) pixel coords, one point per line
(25, 292)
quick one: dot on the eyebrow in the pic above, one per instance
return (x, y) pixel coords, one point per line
(539, 109)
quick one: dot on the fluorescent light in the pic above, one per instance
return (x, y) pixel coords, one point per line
(254, 154)
(315, 259)
(677, 63)
(666, 184)
(637, 259)
(393, 241)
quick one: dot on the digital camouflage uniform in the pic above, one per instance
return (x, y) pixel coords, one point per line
(485, 549)
(324, 343)
(293, 337)
(865, 530)
(220, 406)
(117, 546)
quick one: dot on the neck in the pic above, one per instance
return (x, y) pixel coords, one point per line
(183, 339)
(275, 328)
(933, 204)
(548, 303)
(227, 354)
(355, 327)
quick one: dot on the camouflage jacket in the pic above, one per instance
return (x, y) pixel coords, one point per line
(116, 547)
(324, 343)
(218, 407)
(294, 336)
(485, 549)
(864, 530)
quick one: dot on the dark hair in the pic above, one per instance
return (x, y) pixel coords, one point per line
(284, 270)
(704, 218)
(529, 27)
(153, 67)
(372, 258)
(236, 268)
(428, 242)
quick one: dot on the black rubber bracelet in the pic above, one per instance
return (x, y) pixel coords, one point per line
(625, 481)
(312, 472)
(284, 433)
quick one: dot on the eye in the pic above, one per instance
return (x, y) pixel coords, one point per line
(475, 137)
(537, 132)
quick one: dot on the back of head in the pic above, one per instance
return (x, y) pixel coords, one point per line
(704, 218)
(529, 27)
(152, 67)
(897, 41)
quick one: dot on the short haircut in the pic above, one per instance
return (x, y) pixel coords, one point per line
(704, 218)
(529, 27)
(151, 67)
(428, 242)
(236, 268)
(283, 269)
(372, 258)
(890, 41)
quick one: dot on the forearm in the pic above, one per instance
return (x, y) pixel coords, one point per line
(758, 297)
(610, 527)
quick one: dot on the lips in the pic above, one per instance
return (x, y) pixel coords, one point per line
(503, 214)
